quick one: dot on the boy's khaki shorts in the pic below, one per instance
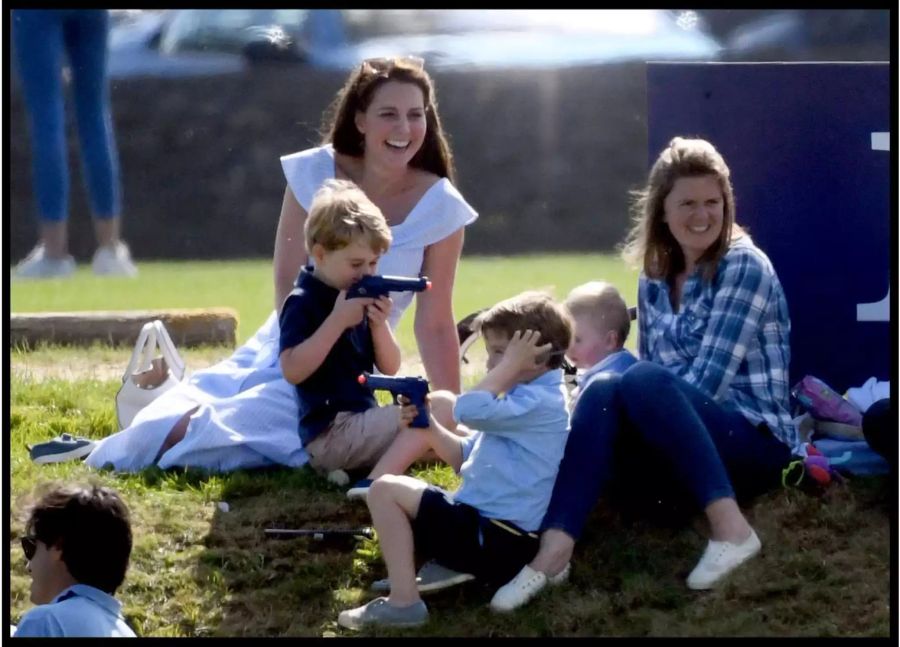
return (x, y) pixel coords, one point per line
(355, 440)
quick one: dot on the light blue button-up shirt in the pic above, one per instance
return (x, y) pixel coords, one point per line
(80, 610)
(510, 462)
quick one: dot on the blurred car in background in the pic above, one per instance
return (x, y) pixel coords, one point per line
(801, 34)
(134, 39)
(198, 41)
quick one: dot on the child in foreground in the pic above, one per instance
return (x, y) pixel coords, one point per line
(508, 466)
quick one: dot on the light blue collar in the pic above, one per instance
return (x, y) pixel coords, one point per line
(94, 594)
(599, 367)
(548, 378)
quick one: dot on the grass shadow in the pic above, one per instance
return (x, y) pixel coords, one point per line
(276, 586)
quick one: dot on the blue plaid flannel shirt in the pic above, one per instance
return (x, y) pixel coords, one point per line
(729, 337)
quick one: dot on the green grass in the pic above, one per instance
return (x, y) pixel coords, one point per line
(199, 571)
(246, 286)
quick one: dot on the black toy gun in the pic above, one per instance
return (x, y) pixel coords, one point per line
(414, 388)
(375, 285)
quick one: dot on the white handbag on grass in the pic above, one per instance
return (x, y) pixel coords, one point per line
(155, 367)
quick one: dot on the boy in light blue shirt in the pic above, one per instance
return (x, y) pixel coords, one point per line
(601, 323)
(508, 466)
(77, 542)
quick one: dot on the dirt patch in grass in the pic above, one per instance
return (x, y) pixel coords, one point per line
(104, 363)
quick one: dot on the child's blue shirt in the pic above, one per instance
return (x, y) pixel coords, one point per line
(510, 462)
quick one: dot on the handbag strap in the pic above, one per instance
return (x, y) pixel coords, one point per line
(140, 357)
(167, 346)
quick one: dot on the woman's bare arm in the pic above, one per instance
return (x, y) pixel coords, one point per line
(290, 248)
(435, 326)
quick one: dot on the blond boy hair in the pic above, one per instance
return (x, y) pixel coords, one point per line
(341, 214)
(604, 307)
(531, 310)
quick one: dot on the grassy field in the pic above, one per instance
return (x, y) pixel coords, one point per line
(203, 569)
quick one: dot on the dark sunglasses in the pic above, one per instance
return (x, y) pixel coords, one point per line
(29, 546)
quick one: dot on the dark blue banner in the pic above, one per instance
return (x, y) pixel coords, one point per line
(808, 149)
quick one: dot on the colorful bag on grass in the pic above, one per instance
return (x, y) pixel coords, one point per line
(824, 403)
(853, 457)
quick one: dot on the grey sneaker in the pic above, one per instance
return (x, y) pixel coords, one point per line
(380, 613)
(38, 266)
(62, 448)
(431, 577)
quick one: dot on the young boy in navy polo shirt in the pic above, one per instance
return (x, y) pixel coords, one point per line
(508, 466)
(327, 340)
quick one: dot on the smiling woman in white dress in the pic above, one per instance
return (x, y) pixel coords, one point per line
(386, 137)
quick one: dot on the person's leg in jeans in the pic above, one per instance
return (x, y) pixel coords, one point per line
(704, 442)
(583, 472)
(85, 33)
(38, 41)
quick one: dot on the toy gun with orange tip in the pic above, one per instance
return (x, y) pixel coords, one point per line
(414, 388)
(374, 286)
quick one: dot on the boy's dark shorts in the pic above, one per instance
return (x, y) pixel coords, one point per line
(448, 532)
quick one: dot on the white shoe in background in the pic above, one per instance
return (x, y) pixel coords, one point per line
(113, 260)
(38, 266)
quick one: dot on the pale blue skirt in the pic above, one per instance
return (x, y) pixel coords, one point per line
(247, 417)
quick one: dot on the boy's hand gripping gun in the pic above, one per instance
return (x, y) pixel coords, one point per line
(414, 388)
(375, 285)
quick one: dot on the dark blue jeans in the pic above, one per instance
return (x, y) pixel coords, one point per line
(709, 449)
(41, 37)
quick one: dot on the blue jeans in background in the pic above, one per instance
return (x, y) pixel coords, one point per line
(40, 38)
(709, 450)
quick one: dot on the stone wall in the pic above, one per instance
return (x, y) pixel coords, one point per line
(546, 157)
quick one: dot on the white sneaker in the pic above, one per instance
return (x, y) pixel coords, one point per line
(37, 266)
(113, 260)
(719, 559)
(524, 586)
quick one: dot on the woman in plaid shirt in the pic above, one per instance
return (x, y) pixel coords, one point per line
(710, 399)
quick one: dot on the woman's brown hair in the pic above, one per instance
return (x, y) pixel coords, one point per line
(434, 156)
(650, 245)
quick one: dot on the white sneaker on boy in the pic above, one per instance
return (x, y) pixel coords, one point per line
(719, 559)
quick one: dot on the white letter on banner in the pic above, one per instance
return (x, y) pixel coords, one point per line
(880, 310)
